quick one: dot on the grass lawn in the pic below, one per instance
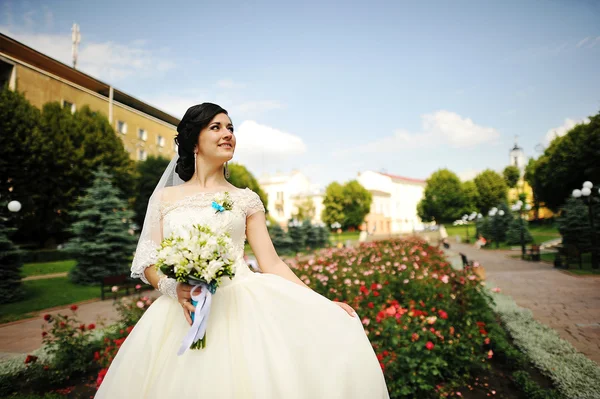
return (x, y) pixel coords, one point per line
(44, 294)
(37, 269)
(343, 236)
(574, 268)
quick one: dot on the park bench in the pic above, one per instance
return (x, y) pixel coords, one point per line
(533, 253)
(123, 281)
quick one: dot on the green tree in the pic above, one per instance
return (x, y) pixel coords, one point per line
(574, 224)
(492, 190)
(568, 162)
(511, 176)
(333, 203)
(101, 243)
(11, 289)
(471, 196)
(513, 234)
(281, 241)
(241, 177)
(444, 199)
(357, 204)
(148, 175)
(19, 155)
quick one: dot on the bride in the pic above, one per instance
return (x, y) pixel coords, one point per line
(269, 336)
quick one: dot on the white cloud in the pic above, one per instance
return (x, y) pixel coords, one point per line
(468, 174)
(589, 42)
(259, 146)
(564, 128)
(107, 61)
(256, 107)
(438, 128)
(229, 84)
(583, 41)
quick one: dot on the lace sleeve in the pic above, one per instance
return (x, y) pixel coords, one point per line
(150, 239)
(253, 204)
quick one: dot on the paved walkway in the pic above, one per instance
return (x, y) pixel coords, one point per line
(45, 276)
(24, 336)
(568, 304)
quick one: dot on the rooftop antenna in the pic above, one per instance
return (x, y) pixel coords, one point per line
(76, 36)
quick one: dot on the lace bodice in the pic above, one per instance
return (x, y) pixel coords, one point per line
(197, 208)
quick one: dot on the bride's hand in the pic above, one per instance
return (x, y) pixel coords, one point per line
(184, 297)
(347, 308)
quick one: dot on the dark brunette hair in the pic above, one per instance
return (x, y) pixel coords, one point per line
(195, 119)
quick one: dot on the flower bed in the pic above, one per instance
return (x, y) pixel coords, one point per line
(427, 322)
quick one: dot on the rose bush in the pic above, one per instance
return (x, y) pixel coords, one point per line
(426, 321)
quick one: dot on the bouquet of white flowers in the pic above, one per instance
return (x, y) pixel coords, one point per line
(201, 258)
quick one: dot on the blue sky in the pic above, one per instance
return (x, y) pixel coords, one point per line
(334, 88)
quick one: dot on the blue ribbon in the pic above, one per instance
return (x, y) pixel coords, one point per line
(218, 207)
(202, 302)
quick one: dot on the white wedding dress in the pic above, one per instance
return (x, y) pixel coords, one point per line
(267, 338)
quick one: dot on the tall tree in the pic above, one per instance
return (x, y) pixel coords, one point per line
(471, 196)
(241, 177)
(511, 176)
(148, 175)
(568, 162)
(357, 204)
(492, 190)
(19, 154)
(333, 202)
(444, 199)
(531, 179)
(101, 243)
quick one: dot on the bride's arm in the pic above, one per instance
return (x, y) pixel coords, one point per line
(262, 246)
(268, 260)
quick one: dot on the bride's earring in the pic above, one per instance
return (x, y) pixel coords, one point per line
(227, 174)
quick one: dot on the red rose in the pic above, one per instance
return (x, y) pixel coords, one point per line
(370, 305)
(62, 324)
(30, 359)
(129, 329)
(44, 333)
(415, 337)
(47, 317)
(429, 345)
(374, 286)
(443, 315)
(101, 376)
(82, 327)
(375, 293)
(74, 307)
(91, 326)
(96, 356)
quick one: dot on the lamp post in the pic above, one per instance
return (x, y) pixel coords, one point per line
(586, 193)
(335, 226)
(493, 213)
(519, 207)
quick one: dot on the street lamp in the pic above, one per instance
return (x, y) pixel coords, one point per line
(586, 193)
(335, 226)
(519, 207)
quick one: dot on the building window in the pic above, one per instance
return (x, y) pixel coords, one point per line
(7, 74)
(142, 134)
(160, 140)
(142, 155)
(69, 105)
(121, 127)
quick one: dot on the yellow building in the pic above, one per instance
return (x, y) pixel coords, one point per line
(144, 129)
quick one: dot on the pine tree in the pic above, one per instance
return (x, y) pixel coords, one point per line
(312, 234)
(574, 225)
(101, 244)
(11, 289)
(297, 234)
(281, 241)
(513, 235)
